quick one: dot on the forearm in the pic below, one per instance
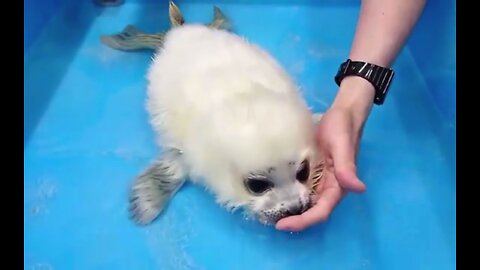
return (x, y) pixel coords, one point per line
(382, 30)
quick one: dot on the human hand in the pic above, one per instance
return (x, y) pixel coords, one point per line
(338, 135)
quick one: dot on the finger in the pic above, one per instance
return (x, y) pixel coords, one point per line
(343, 155)
(348, 179)
(318, 213)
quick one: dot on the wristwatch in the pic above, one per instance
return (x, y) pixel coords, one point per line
(379, 77)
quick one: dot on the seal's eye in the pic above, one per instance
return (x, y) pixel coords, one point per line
(258, 186)
(303, 172)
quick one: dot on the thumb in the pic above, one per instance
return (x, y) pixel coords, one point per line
(343, 155)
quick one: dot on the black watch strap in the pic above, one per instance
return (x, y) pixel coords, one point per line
(379, 77)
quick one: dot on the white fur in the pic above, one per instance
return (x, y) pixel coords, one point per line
(231, 109)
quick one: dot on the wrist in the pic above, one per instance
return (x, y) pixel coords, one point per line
(355, 96)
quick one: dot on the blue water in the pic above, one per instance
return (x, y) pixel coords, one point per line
(87, 136)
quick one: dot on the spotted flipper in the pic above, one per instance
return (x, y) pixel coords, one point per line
(220, 21)
(153, 189)
(176, 17)
(132, 39)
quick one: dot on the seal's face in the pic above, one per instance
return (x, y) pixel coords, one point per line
(259, 152)
(282, 190)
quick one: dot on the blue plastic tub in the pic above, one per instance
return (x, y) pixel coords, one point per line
(87, 136)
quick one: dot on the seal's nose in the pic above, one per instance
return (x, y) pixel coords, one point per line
(296, 210)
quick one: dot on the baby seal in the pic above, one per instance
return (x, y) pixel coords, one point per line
(230, 118)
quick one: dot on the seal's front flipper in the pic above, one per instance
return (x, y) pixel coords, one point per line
(132, 39)
(152, 190)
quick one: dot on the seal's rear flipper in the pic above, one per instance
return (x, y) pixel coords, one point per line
(152, 190)
(132, 39)
(176, 17)
(220, 21)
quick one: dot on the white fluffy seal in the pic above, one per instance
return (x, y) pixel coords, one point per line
(228, 117)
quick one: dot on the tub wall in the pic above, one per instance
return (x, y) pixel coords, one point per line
(432, 44)
(36, 15)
